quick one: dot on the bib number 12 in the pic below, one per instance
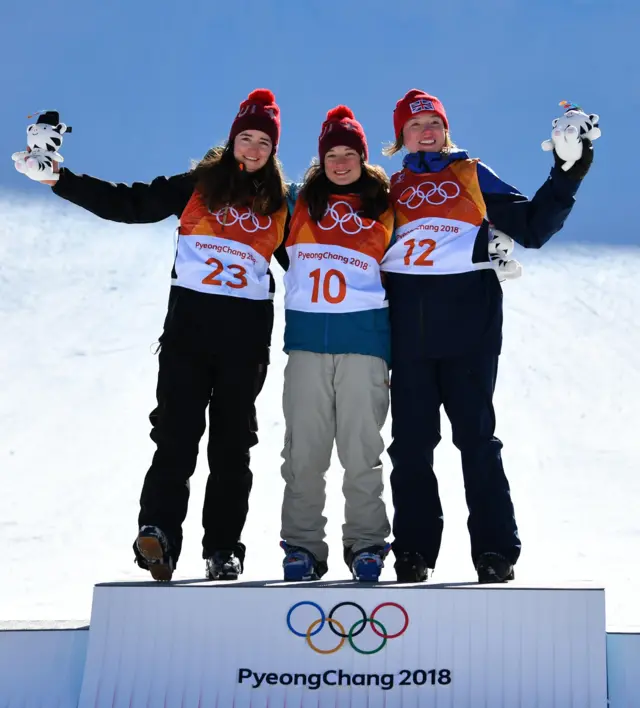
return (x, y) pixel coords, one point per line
(423, 258)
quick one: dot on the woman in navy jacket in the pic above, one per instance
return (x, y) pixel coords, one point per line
(446, 331)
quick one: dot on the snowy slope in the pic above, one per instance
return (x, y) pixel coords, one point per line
(81, 304)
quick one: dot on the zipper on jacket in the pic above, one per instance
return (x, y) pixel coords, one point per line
(326, 332)
(225, 210)
(422, 332)
(227, 206)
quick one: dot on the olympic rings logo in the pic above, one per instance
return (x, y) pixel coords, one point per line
(223, 215)
(414, 197)
(351, 218)
(347, 635)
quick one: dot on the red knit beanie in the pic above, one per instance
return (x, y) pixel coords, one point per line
(412, 103)
(341, 128)
(258, 112)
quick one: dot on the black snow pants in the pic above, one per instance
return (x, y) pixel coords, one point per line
(220, 367)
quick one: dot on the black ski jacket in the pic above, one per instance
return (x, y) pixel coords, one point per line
(195, 321)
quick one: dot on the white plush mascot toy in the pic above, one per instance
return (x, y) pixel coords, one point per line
(568, 132)
(500, 249)
(44, 139)
(567, 135)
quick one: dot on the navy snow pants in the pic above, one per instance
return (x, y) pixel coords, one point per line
(464, 385)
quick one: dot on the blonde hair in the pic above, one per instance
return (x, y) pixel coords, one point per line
(392, 148)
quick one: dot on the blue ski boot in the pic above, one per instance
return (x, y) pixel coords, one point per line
(299, 564)
(367, 564)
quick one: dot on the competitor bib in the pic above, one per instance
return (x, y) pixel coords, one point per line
(438, 217)
(226, 252)
(335, 264)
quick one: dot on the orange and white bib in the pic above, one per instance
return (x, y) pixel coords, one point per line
(227, 252)
(438, 216)
(334, 265)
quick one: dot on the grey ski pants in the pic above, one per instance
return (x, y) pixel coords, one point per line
(342, 398)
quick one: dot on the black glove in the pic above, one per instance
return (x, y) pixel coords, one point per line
(581, 167)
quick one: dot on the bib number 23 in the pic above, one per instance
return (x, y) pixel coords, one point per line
(239, 279)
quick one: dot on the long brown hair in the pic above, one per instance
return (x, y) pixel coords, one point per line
(392, 148)
(372, 187)
(221, 181)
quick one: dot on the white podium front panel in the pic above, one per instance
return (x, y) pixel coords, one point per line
(42, 663)
(341, 644)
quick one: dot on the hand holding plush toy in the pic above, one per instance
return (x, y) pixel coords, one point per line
(44, 139)
(571, 134)
(501, 247)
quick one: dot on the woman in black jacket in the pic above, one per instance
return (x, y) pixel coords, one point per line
(214, 350)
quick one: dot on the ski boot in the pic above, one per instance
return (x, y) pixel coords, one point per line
(224, 565)
(411, 567)
(494, 568)
(152, 553)
(299, 564)
(367, 563)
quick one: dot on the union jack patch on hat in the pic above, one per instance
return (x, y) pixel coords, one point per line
(421, 105)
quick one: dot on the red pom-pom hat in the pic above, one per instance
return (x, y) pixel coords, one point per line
(259, 111)
(341, 128)
(414, 102)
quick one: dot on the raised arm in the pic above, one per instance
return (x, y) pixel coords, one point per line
(138, 203)
(530, 222)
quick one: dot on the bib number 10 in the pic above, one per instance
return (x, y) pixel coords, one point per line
(332, 288)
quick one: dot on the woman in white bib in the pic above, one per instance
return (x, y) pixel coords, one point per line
(446, 331)
(336, 385)
(214, 348)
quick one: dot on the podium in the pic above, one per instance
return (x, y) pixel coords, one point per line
(191, 644)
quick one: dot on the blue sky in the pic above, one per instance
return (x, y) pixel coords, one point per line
(149, 85)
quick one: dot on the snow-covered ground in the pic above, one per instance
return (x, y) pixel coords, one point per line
(82, 303)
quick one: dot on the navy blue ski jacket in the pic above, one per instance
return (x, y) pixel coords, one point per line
(436, 316)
